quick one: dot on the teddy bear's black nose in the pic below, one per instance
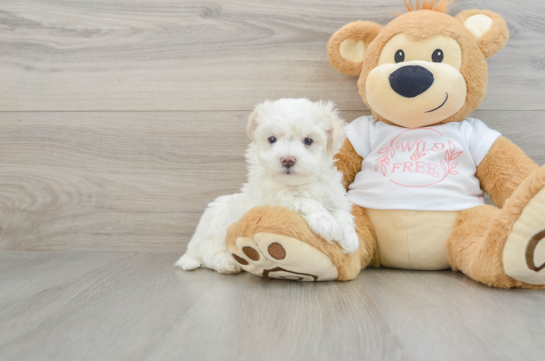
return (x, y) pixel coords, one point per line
(411, 80)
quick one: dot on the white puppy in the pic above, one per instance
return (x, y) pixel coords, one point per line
(290, 164)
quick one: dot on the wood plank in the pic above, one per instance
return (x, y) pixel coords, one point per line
(80, 178)
(103, 306)
(138, 181)
(219, 54)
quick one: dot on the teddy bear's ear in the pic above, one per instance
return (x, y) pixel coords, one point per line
(489, 29)
(347, 46)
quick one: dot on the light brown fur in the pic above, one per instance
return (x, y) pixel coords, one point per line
(441, 6)
(348, 162)
(362, 30)
(495, 39)
(503, 170)
(476, 245)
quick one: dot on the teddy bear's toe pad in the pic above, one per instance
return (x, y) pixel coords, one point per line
(275, 256)
(524, 252)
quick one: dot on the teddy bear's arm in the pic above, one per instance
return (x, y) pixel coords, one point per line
(348, 163)
(503, 170)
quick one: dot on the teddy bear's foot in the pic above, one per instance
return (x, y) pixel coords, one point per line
(271, 255)
(524, 251)
(504, 247)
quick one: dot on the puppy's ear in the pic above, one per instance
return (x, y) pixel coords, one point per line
(347, 46)
(335, 131)
(252, 122)
(488, 28)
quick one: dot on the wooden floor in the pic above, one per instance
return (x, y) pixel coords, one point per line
(134, 306)
(121, 120)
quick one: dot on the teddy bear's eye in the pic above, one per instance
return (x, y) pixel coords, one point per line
(308, 141)
(400, 56)
(437, 56)
(272, 140)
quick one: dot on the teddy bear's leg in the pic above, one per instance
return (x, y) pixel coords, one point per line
(504, 247)
(274, 242)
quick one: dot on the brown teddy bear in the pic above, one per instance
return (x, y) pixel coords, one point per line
(417, 169)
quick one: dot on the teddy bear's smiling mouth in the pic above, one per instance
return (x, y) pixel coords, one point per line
(429, 111)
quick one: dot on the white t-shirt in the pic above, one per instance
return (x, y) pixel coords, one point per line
(428, 169)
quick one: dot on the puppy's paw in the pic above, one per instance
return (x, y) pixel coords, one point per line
(350, 241)
(226, 264)
(325, 226)
(187, 263)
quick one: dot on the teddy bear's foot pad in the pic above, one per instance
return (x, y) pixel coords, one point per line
(271, 255)
(524, 252)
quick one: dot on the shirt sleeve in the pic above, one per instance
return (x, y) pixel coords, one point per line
(358, 133)
(481, 140)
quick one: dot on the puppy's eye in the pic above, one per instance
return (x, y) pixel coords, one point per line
(400, 56)
(272, 140)
(308, 141)
(437, 56)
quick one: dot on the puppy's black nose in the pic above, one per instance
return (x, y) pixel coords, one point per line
(411, 80)
(288, 162)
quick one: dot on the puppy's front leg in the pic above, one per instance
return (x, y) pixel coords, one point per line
(349, 241)
(320, 221)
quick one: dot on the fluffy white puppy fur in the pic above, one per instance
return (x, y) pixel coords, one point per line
(290, 164)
